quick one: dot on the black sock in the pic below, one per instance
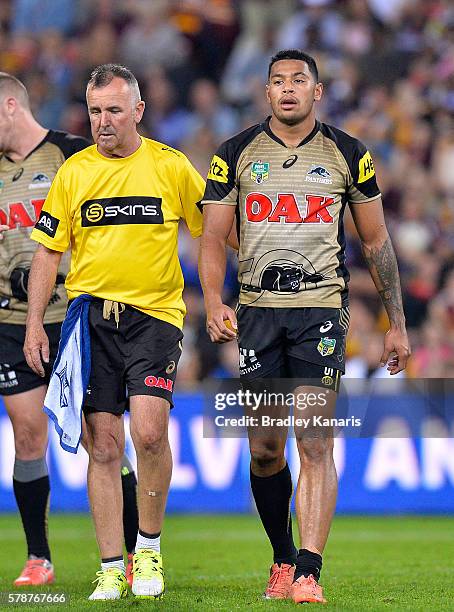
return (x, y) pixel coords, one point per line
(112, 559)
(130, 513)
(32, 498)
(272, 496)
(149, 536)
(307, 563)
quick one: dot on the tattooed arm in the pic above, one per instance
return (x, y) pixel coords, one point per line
(381, 260)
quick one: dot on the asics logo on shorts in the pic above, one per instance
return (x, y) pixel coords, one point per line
(327, 325)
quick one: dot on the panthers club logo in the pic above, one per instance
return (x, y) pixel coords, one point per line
(319, 174)
(95, 212)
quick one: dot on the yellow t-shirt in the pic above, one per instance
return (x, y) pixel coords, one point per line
(120, 217)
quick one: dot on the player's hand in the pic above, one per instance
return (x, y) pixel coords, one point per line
(396, 351)
(3, 228)
(221, 323)
(36, 347)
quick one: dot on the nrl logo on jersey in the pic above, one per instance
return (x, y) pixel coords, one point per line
(319, 174)
(260, 171)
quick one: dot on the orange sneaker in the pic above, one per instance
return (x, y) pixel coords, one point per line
(307, 590)
(36, 571)
(281, 578)
(129, 574)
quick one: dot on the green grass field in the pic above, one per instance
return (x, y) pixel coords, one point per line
(217, 563)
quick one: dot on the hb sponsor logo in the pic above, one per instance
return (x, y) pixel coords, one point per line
(366, 168)
(160, 382)
(137, 210)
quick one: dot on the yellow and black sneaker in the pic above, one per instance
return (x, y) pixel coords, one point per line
(112, 584)
(148, 575)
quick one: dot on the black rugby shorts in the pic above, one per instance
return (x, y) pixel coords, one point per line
(15, 374)
(140, 357)
(287, 343)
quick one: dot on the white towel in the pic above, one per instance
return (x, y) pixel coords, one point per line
(70, 375)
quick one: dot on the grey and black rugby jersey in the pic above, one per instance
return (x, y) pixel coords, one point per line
(290, 207)
(23, 189)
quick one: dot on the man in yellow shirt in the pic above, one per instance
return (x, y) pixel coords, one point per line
(29, 160)
(117, 204)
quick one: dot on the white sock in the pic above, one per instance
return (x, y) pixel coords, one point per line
(153, 543)
(119, 564)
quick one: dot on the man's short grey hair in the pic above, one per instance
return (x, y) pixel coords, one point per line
(104, 74)
(10, 86)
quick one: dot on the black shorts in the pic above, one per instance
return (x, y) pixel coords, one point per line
(140, 357)
(15, 375)
(304, 343)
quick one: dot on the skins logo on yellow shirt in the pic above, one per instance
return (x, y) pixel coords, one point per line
(132, 210)
(95, 212)
(366, 168)
(219, 170)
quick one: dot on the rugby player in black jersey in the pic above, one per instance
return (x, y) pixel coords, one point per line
(288, 181)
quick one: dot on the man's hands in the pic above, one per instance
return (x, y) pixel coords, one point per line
(221, 323)
(3, 228)
(396, 350)
(36, 347)
(43, 275)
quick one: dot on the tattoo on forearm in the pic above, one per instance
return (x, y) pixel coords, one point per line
(382, 265)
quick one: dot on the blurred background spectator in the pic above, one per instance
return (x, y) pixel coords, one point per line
(388, 71)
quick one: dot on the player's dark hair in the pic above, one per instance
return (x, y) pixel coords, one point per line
(12, 86)
(104, 74)
(295, 54)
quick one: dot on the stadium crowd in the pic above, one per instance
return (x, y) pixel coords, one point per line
(388, 72)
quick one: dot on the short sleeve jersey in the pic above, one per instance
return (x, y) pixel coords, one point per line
(290, 204)
(120, 217)
(23, 188)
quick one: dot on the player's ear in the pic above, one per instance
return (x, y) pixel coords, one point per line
(138, 111)
(267, 89)
(10, 104)
(318, 92)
